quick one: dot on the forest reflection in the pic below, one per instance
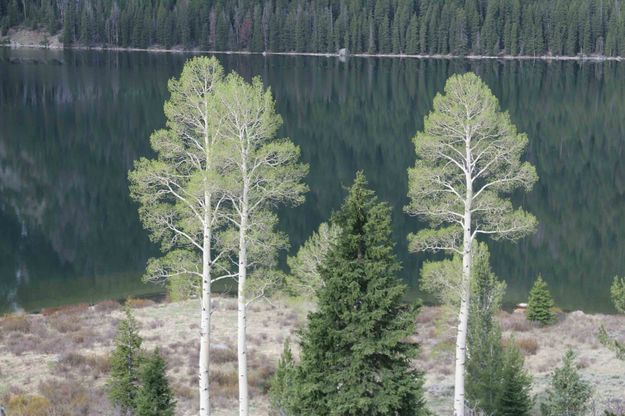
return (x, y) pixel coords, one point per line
(71, 124)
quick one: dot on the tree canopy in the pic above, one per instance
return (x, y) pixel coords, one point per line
(356, 349)
(490, 27)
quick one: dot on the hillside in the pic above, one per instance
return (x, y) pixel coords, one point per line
(425, 27)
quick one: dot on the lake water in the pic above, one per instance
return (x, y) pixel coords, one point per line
(71, 124)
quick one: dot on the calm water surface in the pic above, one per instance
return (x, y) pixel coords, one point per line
(71, 124)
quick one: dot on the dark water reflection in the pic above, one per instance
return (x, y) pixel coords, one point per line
(72, 123)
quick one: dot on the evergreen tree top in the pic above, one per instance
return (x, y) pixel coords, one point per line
(569, 393)
(540, 303)
(154, 398)
(356, 350)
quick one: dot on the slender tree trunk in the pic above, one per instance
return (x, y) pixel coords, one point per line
(463, 316)
(463, 320)
(205, 326)
(242, 307)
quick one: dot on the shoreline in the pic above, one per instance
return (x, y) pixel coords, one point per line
(581, 58)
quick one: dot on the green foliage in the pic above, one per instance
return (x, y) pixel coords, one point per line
(540, 304)
(515, 399)
(123, 383)
(438, 180)
(443, 279)
(618, 298)
(568, 395)
(259, 171)
(617, 291)
(305, 279)
(485, 357)
(176, 190)
(428, 26)
(154, 397)
(281, 390)
(468, 165)
(355, 356)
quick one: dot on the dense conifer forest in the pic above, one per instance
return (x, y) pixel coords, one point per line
(459, 27)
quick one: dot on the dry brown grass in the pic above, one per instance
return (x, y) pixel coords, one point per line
(137, 303)
(107, 306)
(63, 357)
(66, 310)
(529, 346)
(514, 322)
(74, 397)
(15, 323)
(95, 366)
(27, 405)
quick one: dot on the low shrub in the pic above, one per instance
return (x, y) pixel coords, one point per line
(224, 384)
(15, 323)
(66, 309)
(223, 355)
(95, 365)
(85, 337)
(107, 306)
(27, 405)
(529, 346)
(514, 322)
(19, 344)
(259, 378)
(138, 303)
(71, 398)
(65, 323)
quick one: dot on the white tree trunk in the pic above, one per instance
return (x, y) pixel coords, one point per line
(463, 321)
(242, 307)
(465, 296)
(205, 325)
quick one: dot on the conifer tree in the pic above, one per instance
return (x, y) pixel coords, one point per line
(540, 304)
(154, 397)
(515, 397)
(382, 26)
(617, 291)
(618, 298)
(355, 352)
(569, 394)
(485, 357)
(412, 36)
(281, 384)
(125, 361)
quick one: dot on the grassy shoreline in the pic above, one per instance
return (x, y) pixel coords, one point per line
(61, 354)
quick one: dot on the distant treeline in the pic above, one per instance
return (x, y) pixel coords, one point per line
(489, 27)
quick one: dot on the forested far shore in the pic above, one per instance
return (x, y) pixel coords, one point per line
(380, 27)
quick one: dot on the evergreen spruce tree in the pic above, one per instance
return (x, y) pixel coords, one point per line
(412, 36)
(125, 361)
(154, 398)
(485, 357)
(515, 397)
(618, 298)
(540, 304)
(569, 394)
(355, 353)
(281, 385)
(617, 292)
